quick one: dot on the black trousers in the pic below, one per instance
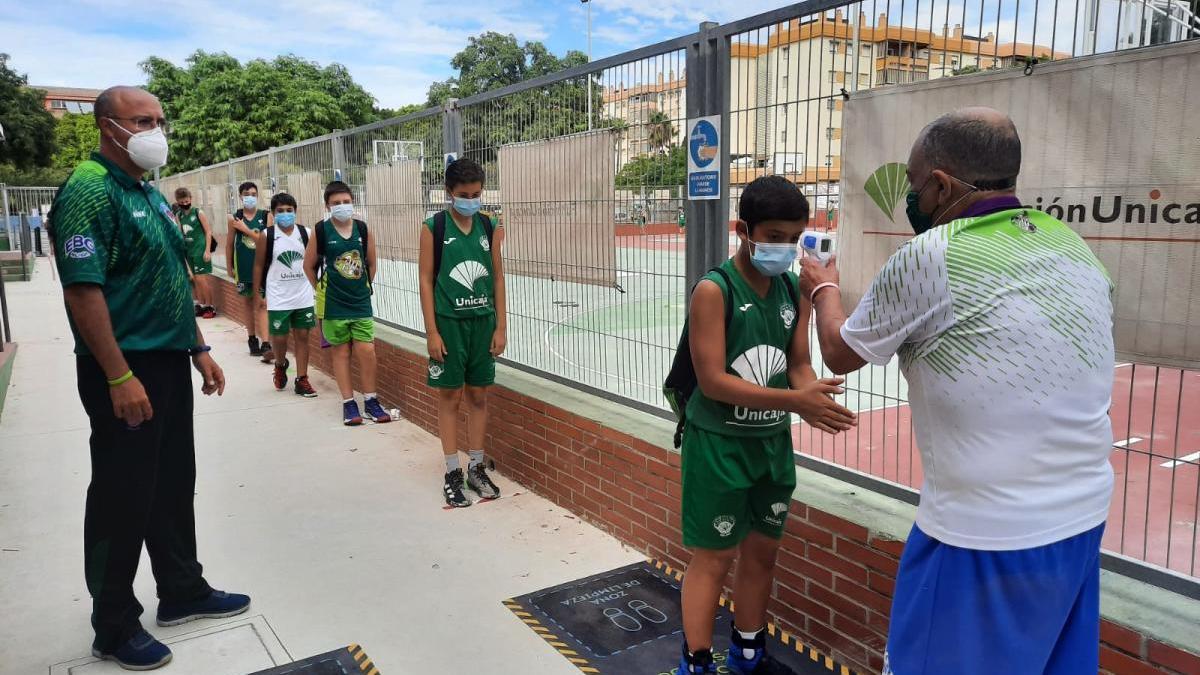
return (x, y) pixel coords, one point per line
(142, 489)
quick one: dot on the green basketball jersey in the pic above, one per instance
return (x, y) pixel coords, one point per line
(464, 286)
(257, 223)
(244, 246)
(194, 241)
(348, 291)
(756, 346)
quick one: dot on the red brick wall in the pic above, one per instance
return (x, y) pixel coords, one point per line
(834, 579)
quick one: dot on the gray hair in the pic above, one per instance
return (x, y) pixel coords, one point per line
(976, 146)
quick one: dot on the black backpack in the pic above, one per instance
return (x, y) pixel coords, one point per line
(270, 244)
(362, 232)
(681, 380)
(439, 237)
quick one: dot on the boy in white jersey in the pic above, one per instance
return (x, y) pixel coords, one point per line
(279, 273)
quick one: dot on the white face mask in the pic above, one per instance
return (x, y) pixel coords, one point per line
(147, 149)
(342, 212)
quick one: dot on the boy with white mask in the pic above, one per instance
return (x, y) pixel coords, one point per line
(748, 341)
(245, 227)
(279, 277)
(463, 302)
(342, 249)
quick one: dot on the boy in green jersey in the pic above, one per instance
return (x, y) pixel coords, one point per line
(463, 302)
(752, 368)
(245, 233)
(198, 242)
(343, 251)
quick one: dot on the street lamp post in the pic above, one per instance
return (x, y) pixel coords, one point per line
(589, 57)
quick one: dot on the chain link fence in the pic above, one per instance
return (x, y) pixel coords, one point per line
(587, 171)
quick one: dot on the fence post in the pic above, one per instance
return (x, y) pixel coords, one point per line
(5, 328)
(452, 137)
(339, 155)
(7, 225)
(707, 241)
(273, 170)
(231, 196)
(26, 245)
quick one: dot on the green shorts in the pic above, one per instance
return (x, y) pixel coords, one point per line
(319, 297)
(243, 267)
(469, 357)
(735, 484)
(200, 265)
(341, 331)
(246, 289)
(279, 322)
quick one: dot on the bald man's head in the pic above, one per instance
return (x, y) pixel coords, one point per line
(976, 145)
(121, 113)
(114, 101)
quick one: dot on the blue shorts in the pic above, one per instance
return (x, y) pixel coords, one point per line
(960, 610)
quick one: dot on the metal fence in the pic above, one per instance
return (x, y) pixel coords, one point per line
(587, 169)
(23, 237)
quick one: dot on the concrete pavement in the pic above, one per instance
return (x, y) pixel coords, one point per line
(338, 534)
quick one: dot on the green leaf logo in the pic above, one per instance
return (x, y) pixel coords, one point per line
(887, 186)
(289, 257)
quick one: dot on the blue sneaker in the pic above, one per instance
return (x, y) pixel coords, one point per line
(140, 652)
(217, 605)
(375, 412)
(749, 657)
(350, 414)
(698, 663)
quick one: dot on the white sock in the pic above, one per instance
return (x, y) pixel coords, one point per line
(476, 458)
(348, 400)
(452, 462)
(750, 635)
(368, 396)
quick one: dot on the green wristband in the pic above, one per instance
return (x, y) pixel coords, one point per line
(122, 379)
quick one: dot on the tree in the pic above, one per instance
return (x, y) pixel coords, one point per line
(967, 70)
(28, 127)
(77, 137)
(389, 113)
(661, 132)
(659, 169)
(221, 109)
(491, 61)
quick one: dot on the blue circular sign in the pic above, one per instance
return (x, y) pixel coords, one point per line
(702, 144)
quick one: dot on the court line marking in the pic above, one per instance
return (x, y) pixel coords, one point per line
(555, 352)
(1186, 459)
(1125, 444)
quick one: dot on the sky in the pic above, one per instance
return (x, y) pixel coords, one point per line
(394, 48)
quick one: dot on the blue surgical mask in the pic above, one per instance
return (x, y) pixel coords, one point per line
(285, 219)
(772, 259)
(249, 201)
(467, 207)
(342, 212)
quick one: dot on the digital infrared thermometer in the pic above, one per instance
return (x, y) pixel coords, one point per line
(818, 245)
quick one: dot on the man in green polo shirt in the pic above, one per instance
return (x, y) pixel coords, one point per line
(120, 254)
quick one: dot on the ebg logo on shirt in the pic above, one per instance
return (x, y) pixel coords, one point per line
(80, 247)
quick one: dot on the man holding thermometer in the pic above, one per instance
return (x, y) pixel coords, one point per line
(1002, 320)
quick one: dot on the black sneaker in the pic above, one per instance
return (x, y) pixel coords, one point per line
(453, 489)
(255, 347)
(479, 481)
(268, 354)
